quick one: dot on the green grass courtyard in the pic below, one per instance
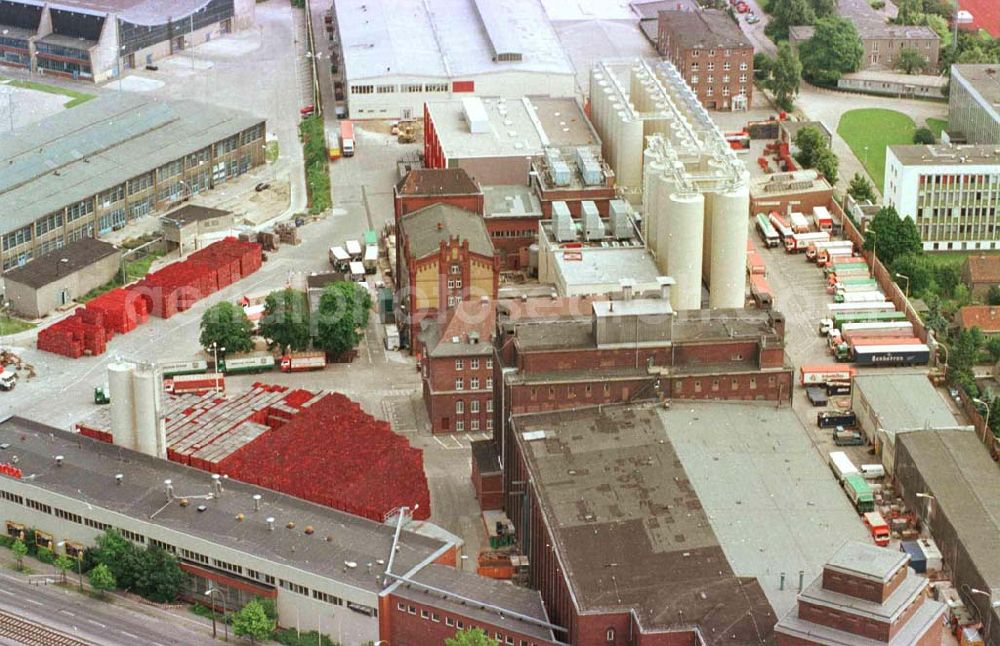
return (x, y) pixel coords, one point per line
(75, 97)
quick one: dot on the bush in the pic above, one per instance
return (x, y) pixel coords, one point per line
(316, 160)
(923, 136)
(45, 555)
(289, 637)
(6, 541)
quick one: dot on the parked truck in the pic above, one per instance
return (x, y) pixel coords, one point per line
(827, 256)
(798, 242)
(835, 418)
(339, 258)
(333, 145)
(878, 328)
(840, 318)
(822, 373)
(869, 296)
(847, 437)
(246, 363)
(849, 308)
(859, 492)
(878, 528)
(195, 383)
(841, 465)
(892, 355)
(176, 368)
(354, 250)
(370, 262)
(760, 291)
(799, 223)
(842, 245)
(768, 234)
(347, 138)
(8, 378)
(822, 218)
(391, 337)
(780, 224)
(302, 361)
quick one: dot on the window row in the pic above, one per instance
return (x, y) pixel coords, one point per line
(473, 406)
(473, 383)
(473, 424)
(459, 624)
(473, 364)
(409, 88)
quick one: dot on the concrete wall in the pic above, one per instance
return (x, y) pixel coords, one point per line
(36, 303)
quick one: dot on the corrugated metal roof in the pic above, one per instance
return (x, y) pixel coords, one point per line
(100, 144)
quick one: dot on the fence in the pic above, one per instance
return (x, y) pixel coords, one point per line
(971, 410)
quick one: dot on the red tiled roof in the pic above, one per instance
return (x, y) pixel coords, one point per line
(984, 317)
(984, 269)
(985, 15)
(438, 181)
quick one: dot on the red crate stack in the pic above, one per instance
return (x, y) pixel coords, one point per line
(74, 336)
(122, 310)
(330, 454)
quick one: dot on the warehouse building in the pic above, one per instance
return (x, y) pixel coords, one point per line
(617, 540)
(399, 55)
(974, 103)
(91, 170)
(962, 512)
(951, 192)
(890, 405)
(60, 277)
(98, 39)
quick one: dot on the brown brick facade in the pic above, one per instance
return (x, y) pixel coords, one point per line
(465, 410)
(860, 587)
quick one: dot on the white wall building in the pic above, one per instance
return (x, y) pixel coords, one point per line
(951, 192)
(399, 54)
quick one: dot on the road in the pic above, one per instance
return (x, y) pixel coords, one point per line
(110, 622)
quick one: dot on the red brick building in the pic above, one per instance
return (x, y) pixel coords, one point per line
(512, 215)
(457, 369)
(865, 594)
(445, 257)
(619, 545)
(712, 54)
(428, 186)
(438, 601)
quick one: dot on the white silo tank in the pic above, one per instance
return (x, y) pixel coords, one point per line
(147, 414)
(664, 185)
(685, 223)
(650, 169)
(706, 263)
(730, 211)
(630, 163)
(122, 404)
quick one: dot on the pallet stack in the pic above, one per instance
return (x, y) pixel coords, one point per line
(122, 310)
(81, 334)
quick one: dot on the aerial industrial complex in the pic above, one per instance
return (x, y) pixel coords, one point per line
(521, 323)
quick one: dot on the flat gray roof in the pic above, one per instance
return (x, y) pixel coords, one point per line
(441, 39)
(867, 560)
(904, 401)
(946, 154)
(511, 200)
(95, 146)
(87, 475)
(629, 527)
(984, 79)
(143, 12)
(774, 504)
(964, 481)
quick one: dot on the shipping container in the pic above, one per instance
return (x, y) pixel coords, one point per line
(755, 265)
(835, 418)
(917, 560)
(827, 256)
(301, 361)
(840, 245)
(391, 337)
(859, 492)
(385, 305)
(370, 262)
(892, 355)
(877, 527)
(821, 373)
(847, 308)
(371, 238)
(174, 368)
(354, 249)
(846, 264)
(860, 340)
(932, 555)
(838, 388)
(841, 465)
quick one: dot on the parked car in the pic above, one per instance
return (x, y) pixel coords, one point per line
(742, 7)
(752, 18)
(307, 111)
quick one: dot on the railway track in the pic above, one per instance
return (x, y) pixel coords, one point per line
(23, 631)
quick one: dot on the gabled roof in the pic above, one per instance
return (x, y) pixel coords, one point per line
(984, 317)
(426, 228)
(438, 181)
(468, 331)
(984, 269)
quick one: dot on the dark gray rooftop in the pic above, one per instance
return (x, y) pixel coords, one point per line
(61, 262)
(95, 146)
(985, 79)
(904, 402)
(945, 154)
(87, 475)
(629, 528)
(194, 213)
(870, 24)
(499, 594)
(705, 29)
(426, 228)
(867, 560)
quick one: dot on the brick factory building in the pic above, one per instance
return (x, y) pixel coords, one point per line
(799, 191)
(429, 186)
(457, 368)
(512, 214)
(620, 548)
(712, 54)
(93, 169)
(98, 40)
(866, 594)
(445, 257)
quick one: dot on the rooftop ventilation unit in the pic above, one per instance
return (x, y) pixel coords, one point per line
(592, 225)
(562, 222)
(621, 224)
(475, 115)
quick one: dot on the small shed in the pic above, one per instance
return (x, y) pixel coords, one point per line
(44, 284)
(182, 227)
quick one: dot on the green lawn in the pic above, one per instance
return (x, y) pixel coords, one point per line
(10, 325)
(869, 131)
(76, 98)
(271, 151)
(937, 126)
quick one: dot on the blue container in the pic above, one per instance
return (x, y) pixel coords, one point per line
(917, 559)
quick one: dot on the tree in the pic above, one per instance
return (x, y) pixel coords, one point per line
(119, 555)
(762, 65)
(786, 14)
(891, 236)
(20, 551)
(827, 164)
(64, 563)
(908, 12)
(834, 49)
(861, 189)
(251, 621)
(286, 319)
(343, 310)
(993, 348)
(911, 61)
(101, 579)
(471, 637)
(157, 576)
(824, 8)
(227, 326)
(923, 136)
(810, 141)
(785, 75)
(917, 268)
(993, 295)
(965, 351)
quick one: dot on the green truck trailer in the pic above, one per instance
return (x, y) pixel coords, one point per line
(859, 492)
(866, 317)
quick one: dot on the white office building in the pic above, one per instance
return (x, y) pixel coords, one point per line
(951, 192)
(399, 54)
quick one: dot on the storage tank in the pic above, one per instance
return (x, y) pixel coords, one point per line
(729, 212)
(651, 170)
(629, 171)
(706, 240)
(149, 430)
(664, 186)
(533, 259)
(122, 405)
(684, 225)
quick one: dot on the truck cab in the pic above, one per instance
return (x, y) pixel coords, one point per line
(825, 325)
(878, 528)
(8, 379)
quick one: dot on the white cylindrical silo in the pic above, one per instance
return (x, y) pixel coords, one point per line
(147, 414)
(650, 169)
(706, 237)
(122, 404)
(685, 223)
(614, 134)
(729, 248)
(664, 186)
(630, 163)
